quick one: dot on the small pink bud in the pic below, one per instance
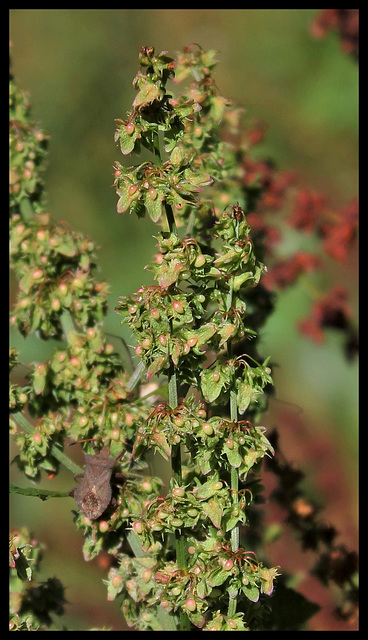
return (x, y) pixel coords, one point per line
(190, 604)
(116, 581)
(55, 304)
(103, 526)
(177, 306)
(155, 314)
(132, 189)
(137, 526)
(130, 128)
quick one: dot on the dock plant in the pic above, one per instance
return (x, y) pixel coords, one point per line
(192, 389)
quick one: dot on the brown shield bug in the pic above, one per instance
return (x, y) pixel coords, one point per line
(93, 494)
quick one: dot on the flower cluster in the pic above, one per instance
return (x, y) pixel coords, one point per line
(212, 569)
(176, 324)
(54, 267)
(186, 328)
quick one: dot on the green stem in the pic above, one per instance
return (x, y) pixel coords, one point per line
(170, 219)
(234, 479)
(177, 476)
(156, 148)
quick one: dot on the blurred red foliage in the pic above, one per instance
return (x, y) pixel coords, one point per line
(344, 21)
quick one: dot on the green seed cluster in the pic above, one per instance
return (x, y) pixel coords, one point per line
(54, 267)
(188, 323)
(199, 301)
(148, 586)
(27, 148)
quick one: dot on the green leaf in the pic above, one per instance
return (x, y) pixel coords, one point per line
(233, 455)
(148, 93)
(126, 198)
(67, 247)
(227, 332)
(176, 156)
(43, 494)
(156, 366)
(36, 317)
(207, 490)
(244, 396)
(211, 388)
(251, 592)
(203, 589)
(204, 333)
(26, 282)
(214, 511)
(240, 279)
(39, 382)
(126, 140)
(218, 577)
(153, 206)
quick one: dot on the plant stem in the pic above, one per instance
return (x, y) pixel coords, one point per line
(234, 480)
(170, 219)
(177, 476)
(176, 453)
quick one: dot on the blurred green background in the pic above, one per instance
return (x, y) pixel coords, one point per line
(78, 65)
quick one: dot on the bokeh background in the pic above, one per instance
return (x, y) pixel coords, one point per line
(78, 66)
